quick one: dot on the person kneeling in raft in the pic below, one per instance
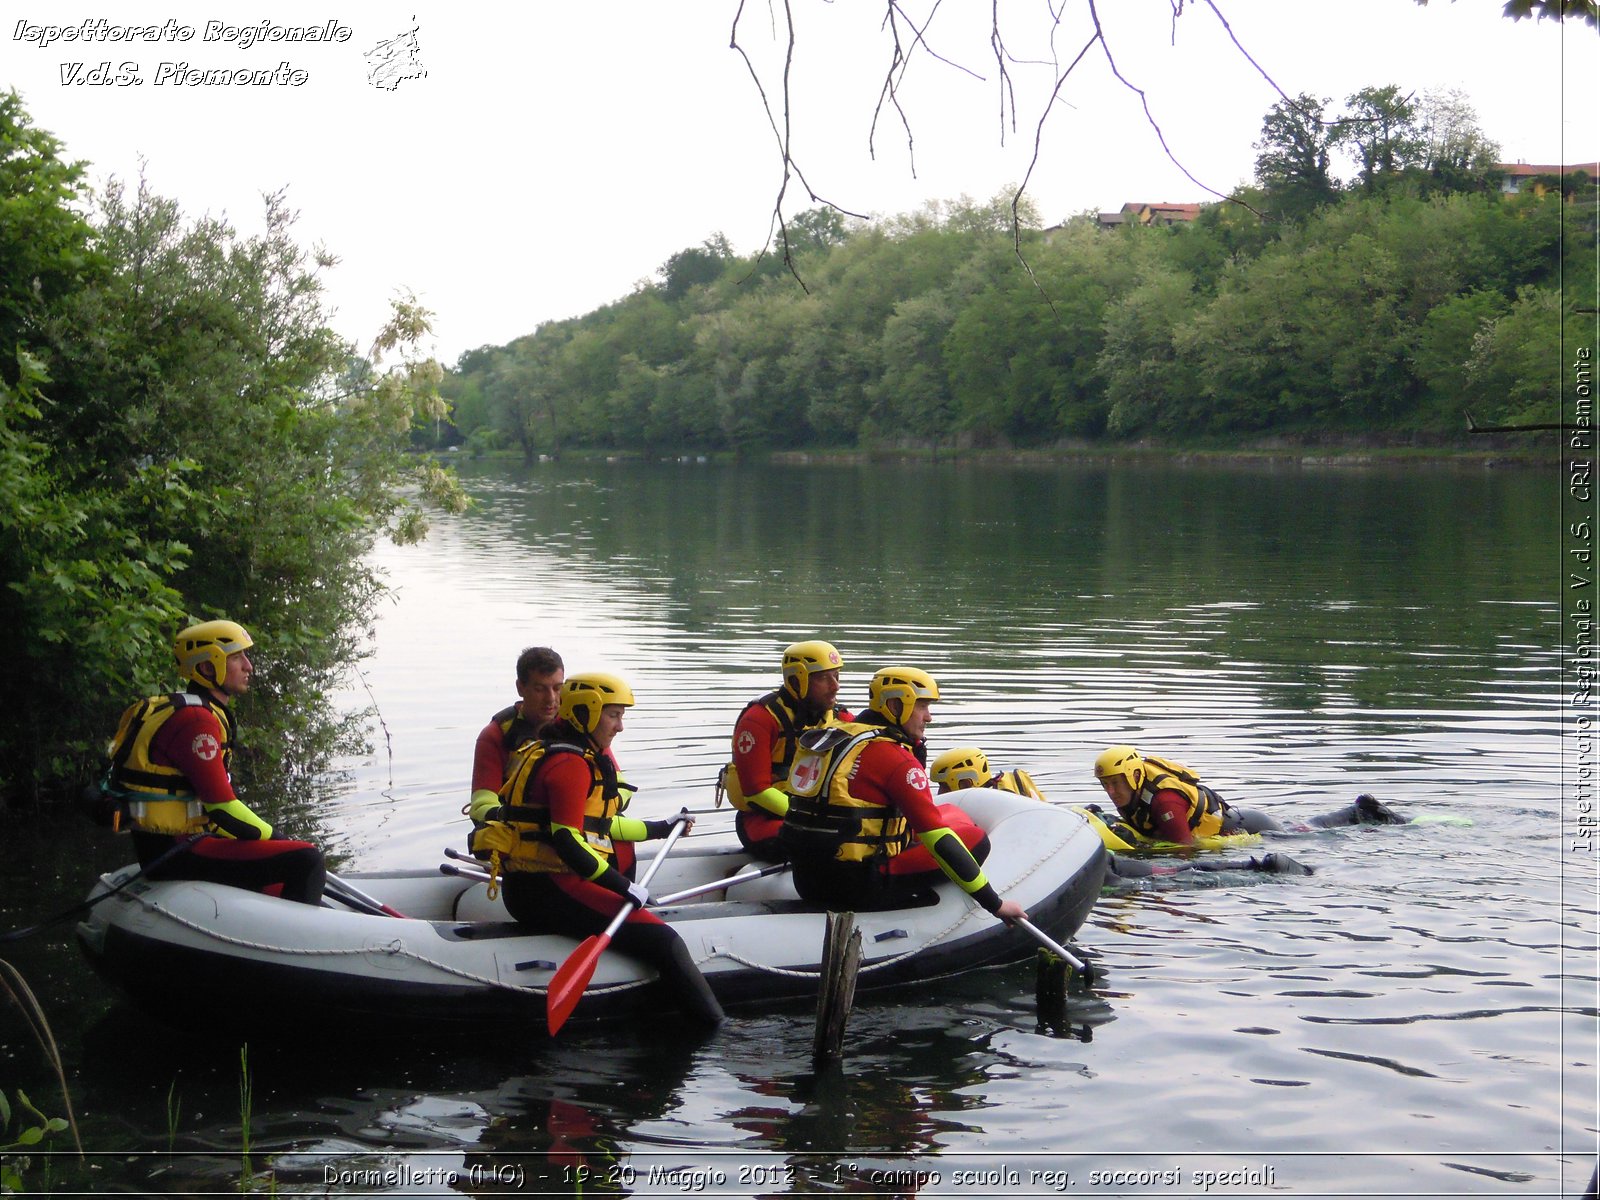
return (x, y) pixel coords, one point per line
(1160, 800)
(968, 767)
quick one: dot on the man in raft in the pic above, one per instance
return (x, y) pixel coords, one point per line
(1159, 800)
(555, 825)
(859, 795)
(170, 779)
(766, 736)
(540, 673)
(502, 742)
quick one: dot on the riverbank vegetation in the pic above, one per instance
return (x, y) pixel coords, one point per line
(182, 436)
(1382, 307)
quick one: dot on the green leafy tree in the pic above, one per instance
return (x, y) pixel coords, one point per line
(1148, 385)
(1457, 156)
(696, 266)
(1293, 160)
(1444, 346)
(187, 438)
(1381, 126)
(46, 246)
(913, 393)
(1515, 369)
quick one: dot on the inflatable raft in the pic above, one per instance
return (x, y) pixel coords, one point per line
(457, 956)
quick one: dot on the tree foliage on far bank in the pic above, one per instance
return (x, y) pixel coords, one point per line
(181, 437)
(1389, 303)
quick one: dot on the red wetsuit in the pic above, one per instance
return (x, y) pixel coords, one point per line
(757, 735)
(247, 856)
(1169, 812)
(490, 754)
(888, 773)
(568, 902)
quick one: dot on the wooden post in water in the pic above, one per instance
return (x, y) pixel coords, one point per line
(841, 959)
(1050, 991)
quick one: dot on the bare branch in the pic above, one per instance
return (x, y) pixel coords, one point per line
(1149, 116)
(783, 138)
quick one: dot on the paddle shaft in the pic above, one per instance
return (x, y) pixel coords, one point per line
(628, 906)
(572, 977)
(717, 885)
(348, 891)
(1055, 947)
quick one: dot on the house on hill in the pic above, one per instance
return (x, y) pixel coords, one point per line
(1539, 178)
(1144, 213)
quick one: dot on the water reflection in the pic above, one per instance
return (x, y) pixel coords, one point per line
(1298, 635)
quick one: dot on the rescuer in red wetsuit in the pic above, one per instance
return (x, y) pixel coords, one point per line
(170, 775)
(764, 741)
(859, 793)
(1158, 799)
(555, 830)
(540, 673)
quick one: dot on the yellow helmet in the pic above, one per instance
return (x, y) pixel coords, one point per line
(802, 659)
(1121, 760)
(905, 684)
(963, 767)
(585, 694)
(209, 642)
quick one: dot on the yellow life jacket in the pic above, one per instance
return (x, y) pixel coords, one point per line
(792, 725)
(1115, 833)
(535, 849)
(158, 798)
(1018, 781)
(1206, 808)
(824, 819)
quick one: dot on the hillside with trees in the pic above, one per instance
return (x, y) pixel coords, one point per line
(1383, 305)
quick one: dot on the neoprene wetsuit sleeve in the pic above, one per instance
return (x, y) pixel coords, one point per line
(484, 802)
(956, 861)
(631, 829)
(772, 801)
(575, 852)
(237, 821)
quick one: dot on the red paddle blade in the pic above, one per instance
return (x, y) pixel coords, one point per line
(567, 984)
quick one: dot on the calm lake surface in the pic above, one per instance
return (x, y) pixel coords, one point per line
(1417, 1018)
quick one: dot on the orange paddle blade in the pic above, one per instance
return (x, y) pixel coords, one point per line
(567, 984)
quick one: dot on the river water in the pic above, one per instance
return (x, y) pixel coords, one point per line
(1417, 1018)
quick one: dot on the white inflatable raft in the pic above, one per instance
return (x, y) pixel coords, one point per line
(456, 955)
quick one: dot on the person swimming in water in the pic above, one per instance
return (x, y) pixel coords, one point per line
(1160, 800)
(968, 767)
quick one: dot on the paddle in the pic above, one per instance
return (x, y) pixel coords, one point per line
(349, 894)
(572, 977)
(717, 885)
(1056, 948)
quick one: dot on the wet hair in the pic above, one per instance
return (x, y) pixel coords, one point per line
(538, 660)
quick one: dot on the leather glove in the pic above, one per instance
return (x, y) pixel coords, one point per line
(496, 836)
(638, 895)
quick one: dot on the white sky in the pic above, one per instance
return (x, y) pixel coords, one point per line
(555, 153)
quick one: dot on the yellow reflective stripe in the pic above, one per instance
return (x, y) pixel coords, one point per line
(482, 801)
(772, 801)
(629, 829)
(235, 812)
